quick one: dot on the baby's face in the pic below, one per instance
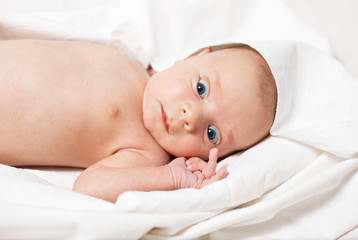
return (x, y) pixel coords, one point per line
(209, 100)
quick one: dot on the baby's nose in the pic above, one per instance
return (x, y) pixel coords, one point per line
(190, 115)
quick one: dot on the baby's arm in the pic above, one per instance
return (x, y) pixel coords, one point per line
(107, 180)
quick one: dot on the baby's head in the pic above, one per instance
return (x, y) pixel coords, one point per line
(224, 98)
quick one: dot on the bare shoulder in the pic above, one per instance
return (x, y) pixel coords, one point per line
(59, 47)
(47, 43)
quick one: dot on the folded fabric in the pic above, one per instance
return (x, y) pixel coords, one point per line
(317, 97)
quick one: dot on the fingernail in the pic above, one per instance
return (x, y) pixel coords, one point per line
(188, 165)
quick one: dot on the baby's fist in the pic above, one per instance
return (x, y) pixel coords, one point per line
(195, 172)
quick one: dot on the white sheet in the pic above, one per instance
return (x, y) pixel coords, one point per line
(280, 188)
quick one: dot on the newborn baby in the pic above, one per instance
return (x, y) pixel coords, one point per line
(85, 105)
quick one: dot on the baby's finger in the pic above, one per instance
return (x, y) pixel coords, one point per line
(210, 168)
(195, 164)
(218, 176)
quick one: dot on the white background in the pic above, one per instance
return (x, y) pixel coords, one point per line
(335, 19)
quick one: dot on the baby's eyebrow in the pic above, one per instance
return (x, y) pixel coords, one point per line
(227, 137)
(230, 135)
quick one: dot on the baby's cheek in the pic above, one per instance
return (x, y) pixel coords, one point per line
(186, 146)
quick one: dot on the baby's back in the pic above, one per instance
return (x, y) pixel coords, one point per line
(67, 103)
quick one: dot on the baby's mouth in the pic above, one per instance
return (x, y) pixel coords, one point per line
(165, 119)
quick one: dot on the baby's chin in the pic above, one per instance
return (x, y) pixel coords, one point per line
(185, 153)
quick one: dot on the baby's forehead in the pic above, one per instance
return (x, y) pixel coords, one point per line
(235, 61)
(235, 68)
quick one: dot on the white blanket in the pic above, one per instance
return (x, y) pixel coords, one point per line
(286, 186)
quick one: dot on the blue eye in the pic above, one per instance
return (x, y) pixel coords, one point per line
(201, 88)
(212, 134)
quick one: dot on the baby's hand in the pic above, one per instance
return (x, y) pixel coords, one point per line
(195, 172)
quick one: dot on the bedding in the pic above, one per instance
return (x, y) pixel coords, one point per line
(300, 182)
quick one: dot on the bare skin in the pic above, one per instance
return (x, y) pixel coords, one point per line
(70, 104)
(86, 105)
(80, 105)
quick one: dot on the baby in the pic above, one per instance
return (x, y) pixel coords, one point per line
(86, 105)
